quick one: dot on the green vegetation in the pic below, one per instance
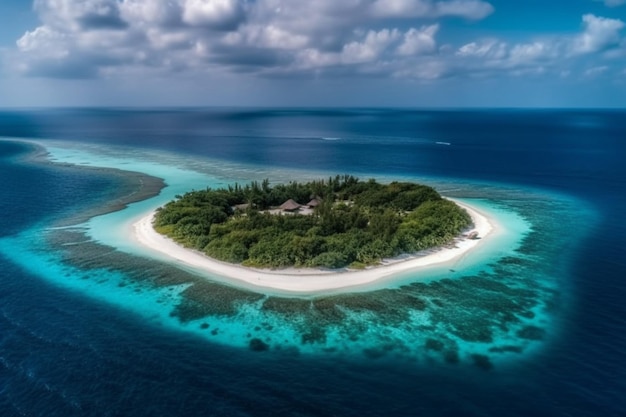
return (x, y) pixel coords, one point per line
(355, 224)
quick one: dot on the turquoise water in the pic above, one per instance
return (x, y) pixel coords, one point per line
(492, 306)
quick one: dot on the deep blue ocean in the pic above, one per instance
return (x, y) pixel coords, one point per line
(66, 354)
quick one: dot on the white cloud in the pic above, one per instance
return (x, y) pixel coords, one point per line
(264, 36)
(370, 49)
(271, 37)
(80, 15)
(215, 14)
(468, 9)
(377, 53)
(279, 38)
(313, 59)
(44, 39)
(600, 33)
(596, 71)
(613, 3)
(148, 13)
(409, 8)
(530, 52)
(419, 41)
(168, 41)
(489, 49)
(600, 38)
(491, 55)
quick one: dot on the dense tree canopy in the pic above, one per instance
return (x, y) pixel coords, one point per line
(356, 223)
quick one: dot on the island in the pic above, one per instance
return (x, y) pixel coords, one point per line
(323, 234)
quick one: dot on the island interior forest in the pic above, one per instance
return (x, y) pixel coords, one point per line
(335, 223)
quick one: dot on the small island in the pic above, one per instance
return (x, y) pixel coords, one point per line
(332, 224)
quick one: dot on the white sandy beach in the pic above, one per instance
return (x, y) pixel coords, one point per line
(304, 281)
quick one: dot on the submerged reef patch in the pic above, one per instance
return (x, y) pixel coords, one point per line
(477, 319)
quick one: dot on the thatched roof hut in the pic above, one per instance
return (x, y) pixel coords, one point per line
(290, 205)
(314, 203)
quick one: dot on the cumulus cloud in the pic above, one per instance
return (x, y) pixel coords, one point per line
(600, 33)
(373, 52)
(492, 55)
(215, 14)
(419, 41)
(264, 35)
(155, 13)
(370, 49)
(76, 15)
(531, 52)
(280, 38)
(486, 49)
(600, 37)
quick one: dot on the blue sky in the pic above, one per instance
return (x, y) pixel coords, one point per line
(416, 53)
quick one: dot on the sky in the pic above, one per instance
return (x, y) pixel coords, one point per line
(313, 53)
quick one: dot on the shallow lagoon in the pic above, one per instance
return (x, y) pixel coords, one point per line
(496, 305)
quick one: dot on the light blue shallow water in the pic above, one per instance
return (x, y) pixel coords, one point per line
(281, 327)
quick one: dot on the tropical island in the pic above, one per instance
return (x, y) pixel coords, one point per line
(341, 222)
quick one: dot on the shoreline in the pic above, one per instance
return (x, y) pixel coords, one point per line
(302, 281)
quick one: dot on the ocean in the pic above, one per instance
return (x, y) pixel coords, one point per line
(534, 324)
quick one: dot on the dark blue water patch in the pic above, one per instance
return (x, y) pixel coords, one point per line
(11, 149)
(554, 148)
(32, 191)
(18, 124)
(590, 359)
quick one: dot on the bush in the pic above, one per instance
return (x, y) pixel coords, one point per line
(332, 260)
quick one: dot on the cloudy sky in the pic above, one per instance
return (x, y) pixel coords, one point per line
(418, 53)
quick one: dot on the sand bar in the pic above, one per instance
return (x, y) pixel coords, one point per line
(303, 281)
